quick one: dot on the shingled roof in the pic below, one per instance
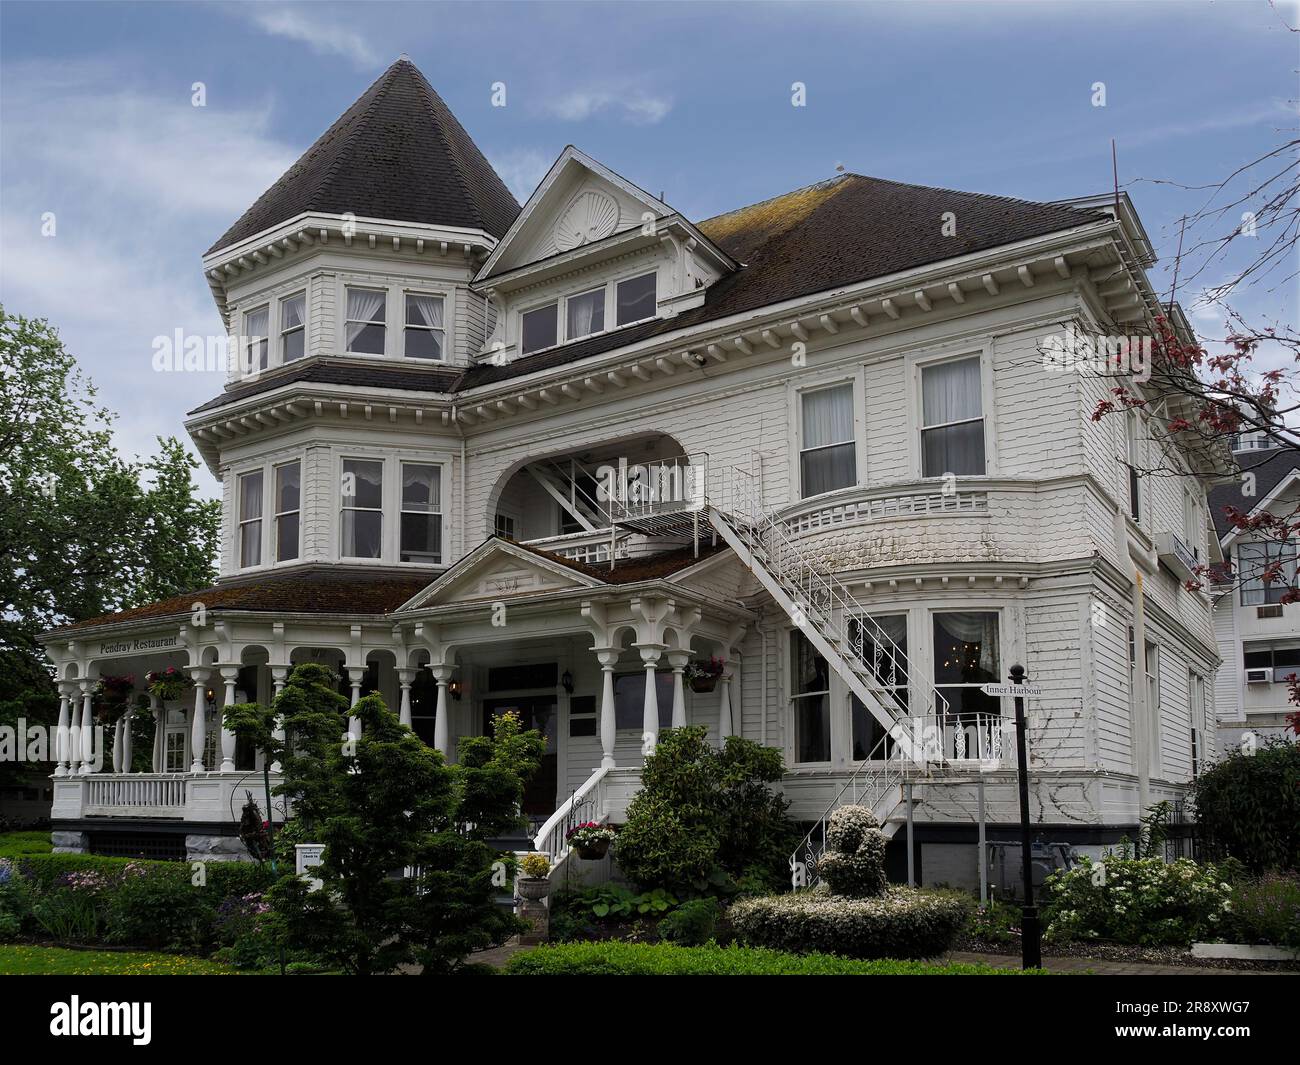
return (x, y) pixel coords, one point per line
(399, 154)
(1270, 468)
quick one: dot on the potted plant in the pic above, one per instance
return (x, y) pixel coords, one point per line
(534, 883)
(112, 695)
(169, 683)
(703, 676)
(590, 839)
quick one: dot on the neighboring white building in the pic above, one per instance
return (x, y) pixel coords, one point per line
(871, 495)
(1258, 634)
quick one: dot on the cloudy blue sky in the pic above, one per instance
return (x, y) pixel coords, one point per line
(688, 99)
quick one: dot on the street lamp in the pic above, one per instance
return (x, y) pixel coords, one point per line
(1031, 955)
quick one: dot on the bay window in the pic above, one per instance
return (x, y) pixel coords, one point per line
(365, 328)
(256, 341)
(810, 698)
(1262, 559)
(250, 519)
(421, 517)
(293, 327)
(585, 314)
(361, 517)
(828, 452)
(635, 299)
(952, 419)
(881, 642)
(540, 327)
(288, 495)
(425, 334)
(967, 655)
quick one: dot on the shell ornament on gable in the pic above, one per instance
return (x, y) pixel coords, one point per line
(591, 216)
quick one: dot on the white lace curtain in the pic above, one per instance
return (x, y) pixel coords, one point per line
(970, 627)
(424, 310)
(829, 459)
(364, 306)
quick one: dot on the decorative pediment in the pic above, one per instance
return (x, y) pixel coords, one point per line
(499, 570)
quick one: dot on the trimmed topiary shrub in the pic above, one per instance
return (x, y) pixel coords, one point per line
(899, 923)
(854, 861)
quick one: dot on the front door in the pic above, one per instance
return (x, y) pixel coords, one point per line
(535, 712)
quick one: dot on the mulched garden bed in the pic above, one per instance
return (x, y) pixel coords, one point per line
(1122, 952)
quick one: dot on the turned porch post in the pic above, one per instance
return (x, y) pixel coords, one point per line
(354, 679)
(441, 726)
(405, 677)
(229, 674)
(199, 726)
(608, 658)
(61, 735)
(86, 736)
(279, 674)
(650, 708)
(725, 728)
(159, 733)
(678, 660)
(126, 739)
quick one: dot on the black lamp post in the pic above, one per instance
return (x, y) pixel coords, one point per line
(1031, 955)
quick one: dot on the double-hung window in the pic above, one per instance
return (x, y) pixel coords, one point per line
(250, 519)
(811, 699)
(293, 327)
(1266, 571)
(361, 517)
(585, 314)
(635, 299)
(828, 454)
(425, 333)
(288, 507)
(952, 419)
(1133, 460)
(966, 656)
(256, 341)
(421, 523)
(881, 642)
(365, 327)
(540, 328)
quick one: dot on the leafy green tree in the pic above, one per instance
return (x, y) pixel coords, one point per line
(706, 819)
(1248, 807)
(385, 804)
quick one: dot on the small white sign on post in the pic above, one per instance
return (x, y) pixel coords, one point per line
(1010, 689)
(308, 856)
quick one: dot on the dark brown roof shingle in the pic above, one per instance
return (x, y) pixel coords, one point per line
(399, 154)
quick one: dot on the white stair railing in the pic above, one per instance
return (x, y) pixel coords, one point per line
(585, 804)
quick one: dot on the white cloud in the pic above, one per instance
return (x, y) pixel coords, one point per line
(305, 25)
(522, 169)
(632, 105)
(140, 184)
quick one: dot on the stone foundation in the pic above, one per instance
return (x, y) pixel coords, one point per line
(69, 842)
(215, 849)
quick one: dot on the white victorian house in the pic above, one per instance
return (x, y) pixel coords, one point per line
(479, 457)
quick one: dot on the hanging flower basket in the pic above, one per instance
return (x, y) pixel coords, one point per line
(703, 675)
(590, 840)
(169, 683)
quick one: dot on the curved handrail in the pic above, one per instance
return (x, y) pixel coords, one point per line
(547, 837)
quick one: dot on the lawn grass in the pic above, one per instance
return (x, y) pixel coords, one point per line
(60, 961)
(612, 958)
(17, 844)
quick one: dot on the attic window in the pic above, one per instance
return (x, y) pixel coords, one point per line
(539, 328)
(636, 298)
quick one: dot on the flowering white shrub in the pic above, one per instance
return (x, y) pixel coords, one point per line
(854, 861)
(1142, 901)
(900, 923)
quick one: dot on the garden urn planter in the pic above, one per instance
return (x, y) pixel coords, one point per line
(535, 888)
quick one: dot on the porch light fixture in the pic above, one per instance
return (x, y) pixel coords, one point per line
(566, 682)
(210, 696)
(453, 689)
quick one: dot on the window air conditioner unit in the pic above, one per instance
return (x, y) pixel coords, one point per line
(1258, 676)
(1273, 610)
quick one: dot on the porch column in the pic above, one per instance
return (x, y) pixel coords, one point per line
(199, 726)
(86, 737)
(404, 678)
(608, 658)
(678, 660)
(229, 674)
(117, 742)
(354, 679)
(650, 708)
(159, 733)
(126, 739)
(279, 674)
(61, 735)
(441, 726)
(725, 728)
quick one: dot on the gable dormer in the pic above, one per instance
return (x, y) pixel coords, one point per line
(591, 253)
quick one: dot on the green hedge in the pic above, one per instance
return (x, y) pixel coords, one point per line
(613, 958)
(901, 923)
(18, 844)
(224, 879)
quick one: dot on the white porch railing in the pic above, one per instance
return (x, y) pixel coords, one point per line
(585, 804)
(136, 791)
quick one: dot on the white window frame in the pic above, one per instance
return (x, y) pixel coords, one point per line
(858, 433)
(604, 291)
(395, 291)
(550, 301)
(1135, 499)
(254, 367)
(613, 299)
(384, 526)
(391, 536)
(427, 328)
(277, 514)
(440, 512)
(929, 360)
(241, 521)
(282, 333)
(793, 697)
